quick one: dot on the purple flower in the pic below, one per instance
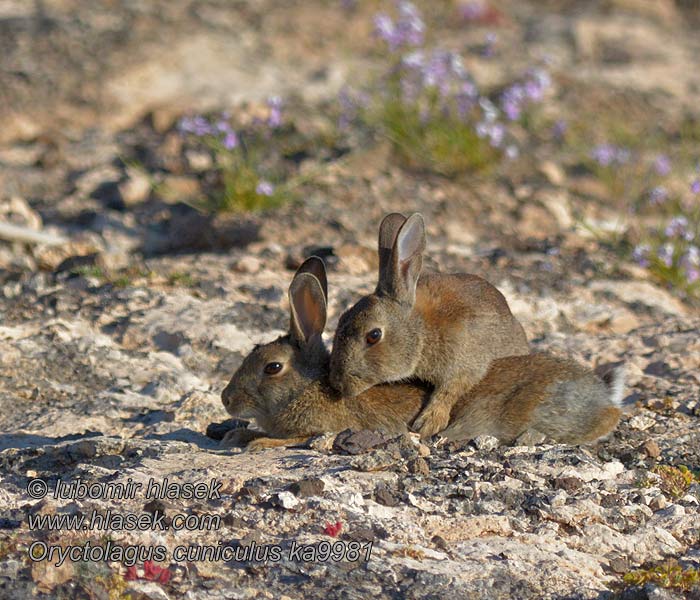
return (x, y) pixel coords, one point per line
(490, 45)
(437, 72)
(677, 227)
(691, 264)
(185, 125)
(196, 125)
(692, 274)
(512, 152)
(466, 98)
(222, 126)
(607, 155)
(662, 165)
(384, 28)
(264, 188)
(408, 30)
(274, 119)
(695, 186)
(665, 254)
(641, 255)
(202, 127)
(604, 155)
(559, 129)
(414, 60)
(691, 257)
(512, 101)
(496, 134)
(536, 84)
(410, 24)
(531, 90)
(658, 195)
(230, 140)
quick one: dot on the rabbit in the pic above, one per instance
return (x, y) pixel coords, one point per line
(439, 328)
(285, 386)
(539, 395)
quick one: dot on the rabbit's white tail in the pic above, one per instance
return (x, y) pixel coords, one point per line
(615, 380)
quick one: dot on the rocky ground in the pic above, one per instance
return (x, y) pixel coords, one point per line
(116, 342)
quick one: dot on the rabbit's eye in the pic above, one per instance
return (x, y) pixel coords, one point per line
(272, 368)
(373, 336)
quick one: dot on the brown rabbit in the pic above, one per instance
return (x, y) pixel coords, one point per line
(540, 395)
(441, 329)
(284, 386)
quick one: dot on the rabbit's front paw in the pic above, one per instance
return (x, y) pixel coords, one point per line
(433, 419)
(263, 443)
(238, 437)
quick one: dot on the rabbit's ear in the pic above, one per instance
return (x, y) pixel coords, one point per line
(388, 230)
(317, 268)
(307, 305)
(401, 278)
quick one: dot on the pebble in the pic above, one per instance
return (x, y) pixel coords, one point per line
(248, 264)
(641, 422)
(307, 487)
(286, 500)
(652, 449)
(486, 442)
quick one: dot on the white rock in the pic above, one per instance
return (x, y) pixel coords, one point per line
(486, 442)
(148, 590)
(248, 264)
(287, 500)
(641, 422)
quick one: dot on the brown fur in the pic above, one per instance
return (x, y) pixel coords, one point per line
(538, 392)
(442, 329)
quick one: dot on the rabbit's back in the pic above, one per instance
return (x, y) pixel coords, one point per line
(554, 396)
(467, 324)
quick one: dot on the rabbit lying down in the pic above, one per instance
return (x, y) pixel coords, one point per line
(284, 385)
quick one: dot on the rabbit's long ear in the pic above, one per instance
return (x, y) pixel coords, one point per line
(307, 307)
(388, 230)
(401, 277)
(317, 268)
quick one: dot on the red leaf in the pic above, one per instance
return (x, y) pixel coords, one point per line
(151, 571)
(164, 576)
(131, 574)
(333, 530)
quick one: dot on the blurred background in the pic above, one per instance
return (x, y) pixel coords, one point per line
(134, 129)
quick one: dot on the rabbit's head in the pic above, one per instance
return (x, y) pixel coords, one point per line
(380, 339)
(273, 374)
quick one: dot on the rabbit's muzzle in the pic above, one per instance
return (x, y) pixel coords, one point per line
(234, 400)
(347, 384)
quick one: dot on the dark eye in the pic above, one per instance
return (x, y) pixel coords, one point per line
(273, 368)
(373, 336)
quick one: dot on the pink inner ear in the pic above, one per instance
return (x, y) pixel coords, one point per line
(410, 240)
(310, 314)
(311, 317)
